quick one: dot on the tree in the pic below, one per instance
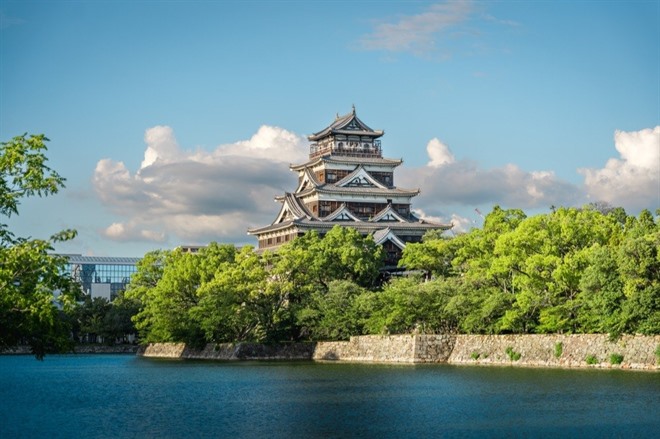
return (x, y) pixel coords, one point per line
(29, 274)
(307, 265)
(334, 315)
(166, 286)
(236, 305)
(405, 305)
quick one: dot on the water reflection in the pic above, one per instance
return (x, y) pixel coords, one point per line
(125, 396)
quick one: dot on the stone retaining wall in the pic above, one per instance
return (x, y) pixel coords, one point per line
(637, 352)
(230, 351)
(408, 348)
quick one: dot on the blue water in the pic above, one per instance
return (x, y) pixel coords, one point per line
(123, 396)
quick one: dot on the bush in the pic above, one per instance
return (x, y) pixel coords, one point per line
(559, 349)
(513, 355)
(657, 354)
(616, 359)
(591, 359)
(475, 355)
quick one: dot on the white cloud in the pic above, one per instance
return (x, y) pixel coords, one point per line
(448, 181)
(161, 146)
(198, 196)
(132, 232)
(633, 180)
(439, 153)
(418, 33)
(459, 223)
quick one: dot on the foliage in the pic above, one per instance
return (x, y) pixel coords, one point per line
(29, 274)
(616, 359)
(335, 314)
(513, 355)
(97, 319)
(305, 291)
(406, 305)
(573, 270)
(591, 359)
(559, 349)
(166, 285)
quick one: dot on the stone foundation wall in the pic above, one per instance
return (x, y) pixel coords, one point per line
(230, 351)
(636, 352)
(369, 348)
(409, 348)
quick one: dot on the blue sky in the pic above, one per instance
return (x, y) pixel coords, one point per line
(175, 122)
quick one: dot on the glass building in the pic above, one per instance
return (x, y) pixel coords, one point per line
(101, 276)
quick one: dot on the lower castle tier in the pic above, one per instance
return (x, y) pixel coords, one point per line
(347, 182)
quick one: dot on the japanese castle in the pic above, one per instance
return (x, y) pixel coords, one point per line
(347, 182)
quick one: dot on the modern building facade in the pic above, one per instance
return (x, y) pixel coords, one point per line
(101, 276)
(347, 182)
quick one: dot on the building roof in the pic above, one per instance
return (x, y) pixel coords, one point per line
(293, 214)
(100, 260)
(346, 160)
(348, 124)
(305, 224)
(385, 192)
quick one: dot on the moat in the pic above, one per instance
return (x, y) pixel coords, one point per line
(98, 396)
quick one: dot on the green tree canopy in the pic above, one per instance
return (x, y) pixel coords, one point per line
(29, 274)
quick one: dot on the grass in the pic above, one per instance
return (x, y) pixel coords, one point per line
(559, 349)
(513, 355)
(657, 354)
(616, 359)
(591, 359)
(475, 355)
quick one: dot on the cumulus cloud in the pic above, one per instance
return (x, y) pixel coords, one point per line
(633, 179)
(418, 33)
(448, 181)
(132, 232)
(196, 196)
(439, 153)
(459, 223)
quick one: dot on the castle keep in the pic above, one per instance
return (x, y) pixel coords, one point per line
(347, 182)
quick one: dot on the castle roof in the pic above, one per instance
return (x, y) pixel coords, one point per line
(345, 160)
(294, 214)
(348, 124)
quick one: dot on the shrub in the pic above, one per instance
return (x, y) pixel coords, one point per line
(475, 355)
(559, 349)
(513, 355)
(591, 359)
(616, 359)
(657, 354)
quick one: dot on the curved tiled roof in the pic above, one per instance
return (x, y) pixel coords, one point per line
(332, 189)
(305, 224)
(348, 124)
(346, 160)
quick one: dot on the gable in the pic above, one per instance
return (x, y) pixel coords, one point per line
(341, 214)
(360, 178)
(389, 215)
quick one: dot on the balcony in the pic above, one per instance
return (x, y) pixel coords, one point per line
(346, 149)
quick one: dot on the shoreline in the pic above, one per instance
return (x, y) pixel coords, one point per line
(79, 349)
(576, 351)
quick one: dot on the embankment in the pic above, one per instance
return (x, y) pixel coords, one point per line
(566, 351)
